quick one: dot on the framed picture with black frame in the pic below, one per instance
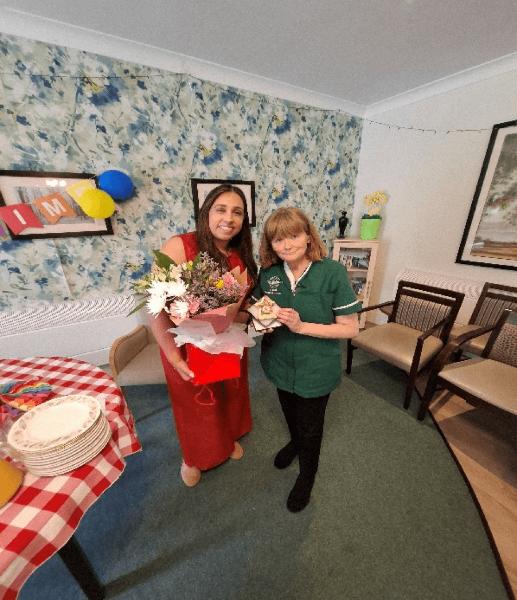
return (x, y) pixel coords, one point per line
(202, 187)
(57, 211)
(490, 235)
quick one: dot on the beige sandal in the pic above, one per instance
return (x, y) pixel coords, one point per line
(190, 475)
(238, 451)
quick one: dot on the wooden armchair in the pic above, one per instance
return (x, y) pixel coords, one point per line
(491, 377)
(135, 358)
(417, 329)
(492, 302)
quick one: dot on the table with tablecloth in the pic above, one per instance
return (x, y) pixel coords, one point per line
(43, 515)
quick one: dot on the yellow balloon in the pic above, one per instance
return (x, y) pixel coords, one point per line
(96, 204)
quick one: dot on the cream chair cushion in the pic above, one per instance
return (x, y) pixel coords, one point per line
(492, 381)
(144, 368)
(476, 345)
(396, 344)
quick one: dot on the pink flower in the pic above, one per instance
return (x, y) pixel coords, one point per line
(228, 280)
(193, 306)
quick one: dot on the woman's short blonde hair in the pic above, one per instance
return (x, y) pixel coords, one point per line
(285, 222)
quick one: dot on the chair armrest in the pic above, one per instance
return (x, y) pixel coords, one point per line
(453, 346)
(443, 358)
(367, 308)
(126, 347)
(387, 310)
(466, 337)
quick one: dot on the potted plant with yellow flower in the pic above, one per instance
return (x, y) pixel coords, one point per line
(371, 220)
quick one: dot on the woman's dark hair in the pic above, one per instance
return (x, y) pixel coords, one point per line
(241, 242)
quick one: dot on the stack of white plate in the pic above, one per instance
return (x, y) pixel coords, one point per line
(60, 435)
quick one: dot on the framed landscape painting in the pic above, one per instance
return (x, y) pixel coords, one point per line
(490, 236)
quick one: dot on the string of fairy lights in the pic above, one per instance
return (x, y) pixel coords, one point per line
(241, 92)
(427, 130)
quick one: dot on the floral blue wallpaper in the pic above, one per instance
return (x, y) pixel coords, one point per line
(68, 110)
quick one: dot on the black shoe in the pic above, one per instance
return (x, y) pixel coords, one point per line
(300, 494)
(285, 456)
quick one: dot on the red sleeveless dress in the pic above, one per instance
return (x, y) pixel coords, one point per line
(207, 432)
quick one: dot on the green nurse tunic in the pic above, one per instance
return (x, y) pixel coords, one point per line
(301, 364)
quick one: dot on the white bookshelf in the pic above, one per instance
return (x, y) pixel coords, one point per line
(359, 257)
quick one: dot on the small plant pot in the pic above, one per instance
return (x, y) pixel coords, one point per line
(370, 228)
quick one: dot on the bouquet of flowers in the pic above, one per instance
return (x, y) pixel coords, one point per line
(202, 301)
(195, 287)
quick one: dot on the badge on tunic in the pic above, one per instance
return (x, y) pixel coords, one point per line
(274, 282)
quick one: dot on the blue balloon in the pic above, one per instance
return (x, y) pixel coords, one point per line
(117, 184)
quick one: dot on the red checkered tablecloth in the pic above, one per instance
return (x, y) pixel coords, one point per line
(45, 512)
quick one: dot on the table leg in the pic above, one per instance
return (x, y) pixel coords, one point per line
(79, 566)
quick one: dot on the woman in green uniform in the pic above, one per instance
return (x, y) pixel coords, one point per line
(303, 356)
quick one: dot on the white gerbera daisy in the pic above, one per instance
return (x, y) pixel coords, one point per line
(155, 304)
(158, 288)
(175, 289)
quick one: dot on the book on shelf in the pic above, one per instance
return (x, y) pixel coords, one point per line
(351, 261)
(358, 286)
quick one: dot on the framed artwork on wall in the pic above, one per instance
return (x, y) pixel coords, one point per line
(202, 187)
(36, 204)
(490, 235)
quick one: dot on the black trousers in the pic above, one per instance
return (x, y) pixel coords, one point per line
(305, 418)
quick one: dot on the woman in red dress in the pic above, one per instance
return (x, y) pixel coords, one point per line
(208, 432)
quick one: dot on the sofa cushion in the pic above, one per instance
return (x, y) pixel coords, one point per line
(145, 368)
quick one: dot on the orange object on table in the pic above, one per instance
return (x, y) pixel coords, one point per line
(10, 480)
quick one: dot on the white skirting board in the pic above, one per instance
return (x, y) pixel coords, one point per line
(82, 329)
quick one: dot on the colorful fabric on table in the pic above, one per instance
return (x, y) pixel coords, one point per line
(18, 397)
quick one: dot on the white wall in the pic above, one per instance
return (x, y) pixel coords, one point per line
(431, 179)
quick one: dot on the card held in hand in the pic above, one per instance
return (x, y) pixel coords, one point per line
(264, 313)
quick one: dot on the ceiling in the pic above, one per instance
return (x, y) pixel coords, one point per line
(359, 51)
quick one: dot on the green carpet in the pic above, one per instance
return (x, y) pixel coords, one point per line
(390, 516)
